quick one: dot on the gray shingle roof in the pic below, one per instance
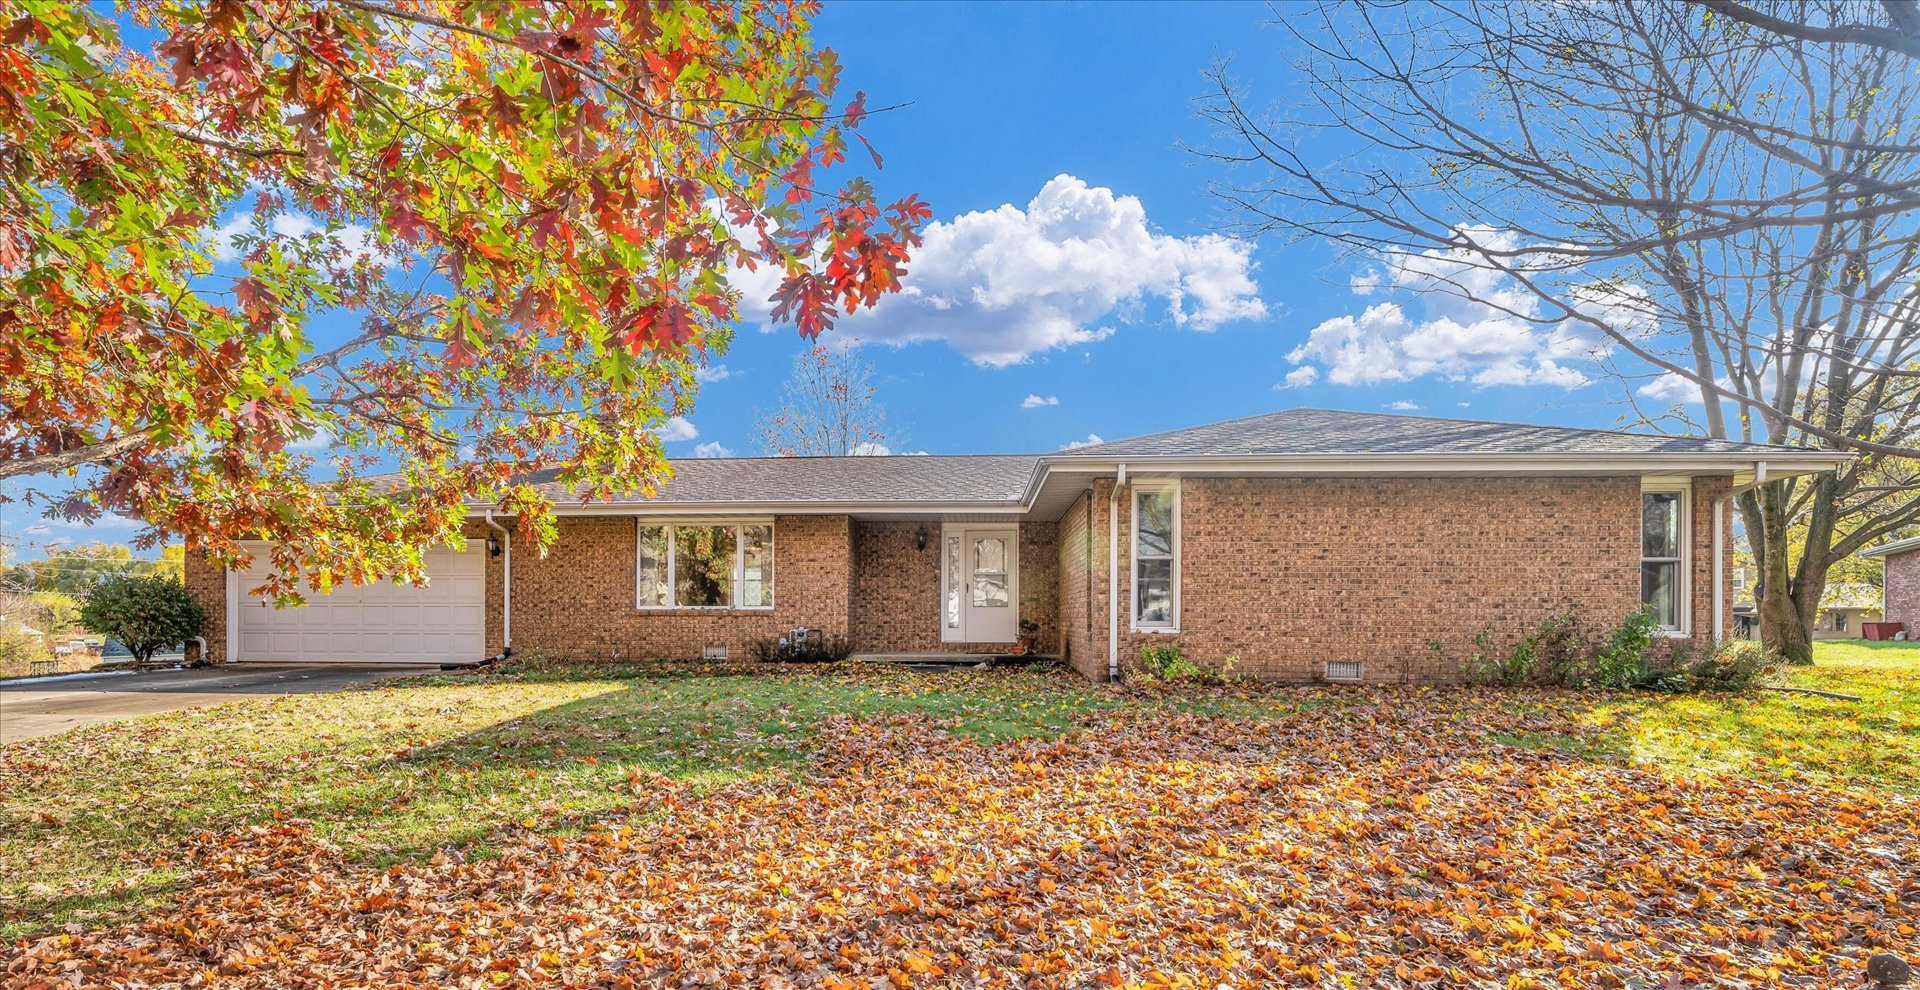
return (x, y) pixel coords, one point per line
(1325, 431)
(912, 478)
(1001, 480)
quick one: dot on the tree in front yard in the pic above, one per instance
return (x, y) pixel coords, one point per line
(324, 273)
(1716, 199)
(148, 614)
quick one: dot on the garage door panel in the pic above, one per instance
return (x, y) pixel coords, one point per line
(441, 623)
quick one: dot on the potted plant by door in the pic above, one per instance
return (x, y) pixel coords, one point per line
(1029, 636)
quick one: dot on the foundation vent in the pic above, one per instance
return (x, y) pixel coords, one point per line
(1344, 671)
(713, 651)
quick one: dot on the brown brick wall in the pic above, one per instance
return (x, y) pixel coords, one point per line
(578, 601)
(1705, 491)
(896, 588)
(1903, 589)
(1283, 574)
(1077, 641)
(207, 586)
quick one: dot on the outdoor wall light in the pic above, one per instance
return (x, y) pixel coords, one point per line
(920, 537)
(493, 546)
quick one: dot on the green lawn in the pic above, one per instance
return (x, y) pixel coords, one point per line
(1873, 743)
(93, 818)
(97, 823)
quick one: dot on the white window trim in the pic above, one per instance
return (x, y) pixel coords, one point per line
(1172, 626)
(1684, 611)
(739, 561)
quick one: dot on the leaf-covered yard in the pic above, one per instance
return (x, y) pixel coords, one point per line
(862, 828)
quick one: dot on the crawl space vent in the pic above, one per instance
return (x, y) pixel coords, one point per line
(713, 651)
(1347, 671)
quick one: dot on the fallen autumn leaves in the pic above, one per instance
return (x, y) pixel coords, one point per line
(1386, 842)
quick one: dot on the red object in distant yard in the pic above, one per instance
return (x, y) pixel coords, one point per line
(1880, 630)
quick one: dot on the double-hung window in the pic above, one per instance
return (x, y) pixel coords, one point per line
(1663, 557)
(1156, 556)
(704, 565)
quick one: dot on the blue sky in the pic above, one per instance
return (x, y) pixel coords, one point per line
(1005, 98)
(1042, 312)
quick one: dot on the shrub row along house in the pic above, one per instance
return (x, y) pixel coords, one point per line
(1281, 543)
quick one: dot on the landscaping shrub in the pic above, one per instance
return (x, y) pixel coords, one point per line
(1166, 662)
(1559, 652)
(1490, 665)
(801, 649)
(148, 614)
(1736, 665)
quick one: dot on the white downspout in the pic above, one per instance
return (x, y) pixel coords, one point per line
(1113, 575)
(1719, 571)
(506, 586)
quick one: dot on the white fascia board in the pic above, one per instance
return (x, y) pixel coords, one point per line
(1897, 546)
(1453, 464)
(765, 509)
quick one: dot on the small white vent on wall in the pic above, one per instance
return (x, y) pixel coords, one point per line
(1347, 671)
(713, 651)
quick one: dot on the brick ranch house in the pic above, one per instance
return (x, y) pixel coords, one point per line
(1281, 542)
(1900, 583)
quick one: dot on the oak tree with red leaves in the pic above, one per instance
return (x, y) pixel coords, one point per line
(326, 272)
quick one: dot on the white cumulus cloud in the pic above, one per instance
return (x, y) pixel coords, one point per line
(678, 428)
(1670, 387)
(1002, 285)
(711, 373)
(1451, 318)
(1403, 405)
(1299, 377)
(1034, 401)
(712, 448)
(222, 243)
(1092, 438)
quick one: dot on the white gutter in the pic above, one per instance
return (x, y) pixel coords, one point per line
(506, 585)
(1113, 575)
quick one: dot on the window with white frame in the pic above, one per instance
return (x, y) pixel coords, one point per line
(1663, 573)
(1156, 556)
(704, 565)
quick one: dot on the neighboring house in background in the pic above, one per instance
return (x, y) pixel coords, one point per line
(1281, 542)
(1900, 582)
(1843, 607)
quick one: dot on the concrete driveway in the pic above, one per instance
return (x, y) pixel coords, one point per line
(57, 704)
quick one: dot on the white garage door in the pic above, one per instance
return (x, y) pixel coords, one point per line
(379, 623)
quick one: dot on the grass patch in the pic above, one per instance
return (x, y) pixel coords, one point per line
(94, 818)
(1871, 744)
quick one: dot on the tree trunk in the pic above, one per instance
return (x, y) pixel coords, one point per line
(1787, 597)
(1782, 629)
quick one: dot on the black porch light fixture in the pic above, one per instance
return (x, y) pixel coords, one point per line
(920, 537)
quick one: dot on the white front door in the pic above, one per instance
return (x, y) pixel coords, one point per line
(444, 622)
(979, 584)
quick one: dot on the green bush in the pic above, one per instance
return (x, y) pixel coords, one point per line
(147, 614)
(1166, 662)
(1559, 652)
(1622, 660)
(1491, 665)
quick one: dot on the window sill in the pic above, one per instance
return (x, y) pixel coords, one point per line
(1672, 634)
(700, 609)
(1157, 630)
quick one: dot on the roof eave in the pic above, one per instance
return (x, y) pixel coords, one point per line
(1778, 463)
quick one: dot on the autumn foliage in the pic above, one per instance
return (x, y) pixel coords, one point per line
(1385, 837)
(247, 249)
